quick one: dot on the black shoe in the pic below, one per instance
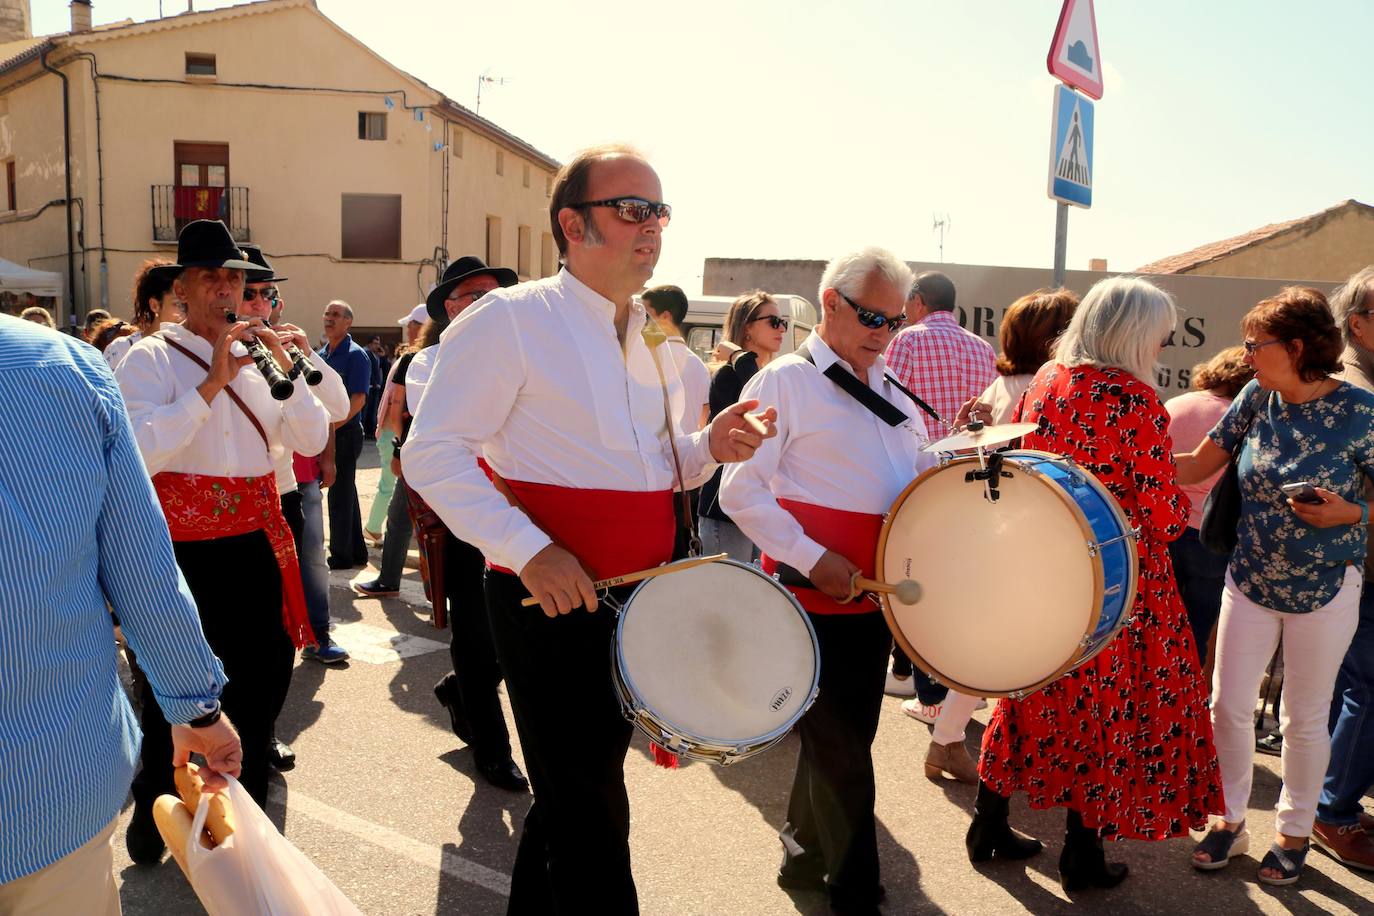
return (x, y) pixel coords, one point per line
(144, 842)
(280, 755)
(504, 774)
(447, 693)
(800, 880)
(1082, 868)
(988, 838)
(1271, 744)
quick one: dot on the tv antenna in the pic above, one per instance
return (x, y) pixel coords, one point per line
(488, 80)
(941, 224)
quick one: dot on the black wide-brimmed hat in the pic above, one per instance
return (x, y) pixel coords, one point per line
(207, 243)
(264, 274)
(457, 272)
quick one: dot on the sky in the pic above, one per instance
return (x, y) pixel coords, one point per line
(807, 128)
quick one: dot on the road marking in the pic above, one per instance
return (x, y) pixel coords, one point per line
(379, 645)
(450, 863)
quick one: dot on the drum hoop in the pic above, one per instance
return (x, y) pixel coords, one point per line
(752, 745)
(1090, 536)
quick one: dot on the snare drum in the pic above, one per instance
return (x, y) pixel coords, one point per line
(1017, 591)
(716, 662)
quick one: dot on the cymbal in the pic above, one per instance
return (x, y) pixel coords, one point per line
(983, 438)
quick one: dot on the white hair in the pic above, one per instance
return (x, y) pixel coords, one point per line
(849, 272)
(1349, 298)
(1119, 324)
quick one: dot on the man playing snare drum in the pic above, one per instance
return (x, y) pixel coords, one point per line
(813, 500)
(553, 385)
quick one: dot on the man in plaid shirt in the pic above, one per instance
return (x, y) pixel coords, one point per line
(945, 366)
(936, 358)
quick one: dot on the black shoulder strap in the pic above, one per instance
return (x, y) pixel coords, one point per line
(876, 403)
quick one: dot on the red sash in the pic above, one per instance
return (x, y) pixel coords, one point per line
(200, 507)
(853, 535)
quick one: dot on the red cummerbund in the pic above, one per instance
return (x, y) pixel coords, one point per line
(853, 535)
(612, 532)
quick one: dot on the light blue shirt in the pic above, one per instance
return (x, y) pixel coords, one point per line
(80, 526)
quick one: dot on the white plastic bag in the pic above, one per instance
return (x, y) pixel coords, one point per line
(256, 871)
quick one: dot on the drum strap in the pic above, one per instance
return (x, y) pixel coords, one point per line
(876, 404)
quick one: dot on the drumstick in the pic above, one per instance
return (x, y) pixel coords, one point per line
(645, 574)
(908, 591)
(754, 423)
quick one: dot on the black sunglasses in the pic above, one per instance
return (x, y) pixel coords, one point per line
(775, 322)
(268, 295)
(633, 209)
(874, 320)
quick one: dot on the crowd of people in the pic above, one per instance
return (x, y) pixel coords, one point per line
(179, 455)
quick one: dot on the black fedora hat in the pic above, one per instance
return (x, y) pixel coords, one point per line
(264, 273)
(207, 243)
(460, 270)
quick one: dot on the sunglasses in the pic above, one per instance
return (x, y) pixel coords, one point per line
(874, 320)
(633, 209)
(775, 322)
(1250, 346)
(268, 295)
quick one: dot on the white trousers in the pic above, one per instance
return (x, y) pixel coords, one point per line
(953, 721)
(1313, 646)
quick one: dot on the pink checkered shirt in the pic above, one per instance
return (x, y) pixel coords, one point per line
(940, 361)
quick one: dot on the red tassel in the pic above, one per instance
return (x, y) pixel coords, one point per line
(664, 757)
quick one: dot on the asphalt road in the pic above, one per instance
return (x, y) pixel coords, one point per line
(385, 800)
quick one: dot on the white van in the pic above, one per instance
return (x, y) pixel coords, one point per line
(705, 324)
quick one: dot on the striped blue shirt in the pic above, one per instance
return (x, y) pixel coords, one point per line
(80, 526)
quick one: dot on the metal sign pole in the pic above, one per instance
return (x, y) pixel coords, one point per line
(1061, 242)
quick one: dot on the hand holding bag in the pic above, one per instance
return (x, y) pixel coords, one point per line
(1221, 511)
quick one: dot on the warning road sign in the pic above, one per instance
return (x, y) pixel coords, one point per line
(1071, 149)
(1074, 55)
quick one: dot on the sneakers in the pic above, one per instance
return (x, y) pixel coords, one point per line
(374, 589)
(328, 653)
(921, 712)
(899, 686)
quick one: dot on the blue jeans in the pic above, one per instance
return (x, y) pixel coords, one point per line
(1201, 576)
(1351, 771)
(314, 572)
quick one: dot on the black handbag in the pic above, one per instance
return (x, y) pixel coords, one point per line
(1221, 511)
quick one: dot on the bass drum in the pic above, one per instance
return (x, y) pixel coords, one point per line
(1017, 591)
(716, 662)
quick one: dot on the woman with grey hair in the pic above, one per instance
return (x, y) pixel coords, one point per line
(1123, 742)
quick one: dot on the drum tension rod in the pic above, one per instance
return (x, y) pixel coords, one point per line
(990, 473)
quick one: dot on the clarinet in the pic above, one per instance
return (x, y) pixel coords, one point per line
(302, 365)
(267, 364)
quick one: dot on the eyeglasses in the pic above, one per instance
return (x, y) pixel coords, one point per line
(473, 294)
(775, 322)
(1250, 346)
(633, 209)
(874, 320)
(268, 295)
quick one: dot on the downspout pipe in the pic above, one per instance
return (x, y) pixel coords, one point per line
(67, 174)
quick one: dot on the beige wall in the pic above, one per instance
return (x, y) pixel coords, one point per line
(1210, 308)
(296, 151)
(1332, 250)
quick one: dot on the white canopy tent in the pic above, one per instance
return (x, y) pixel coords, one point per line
(15, 278)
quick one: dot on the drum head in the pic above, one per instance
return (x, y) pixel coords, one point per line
(1010, 589)
(718, 652)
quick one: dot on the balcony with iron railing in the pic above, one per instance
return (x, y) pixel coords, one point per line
(176, 205)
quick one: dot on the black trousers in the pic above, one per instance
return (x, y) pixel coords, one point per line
(237, 588)
(295, 516)
(927, 691)
(346, 547)
(830, 830)
(476, 672)
(574, 853)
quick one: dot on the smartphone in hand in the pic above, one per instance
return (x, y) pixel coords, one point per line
(1302, 492)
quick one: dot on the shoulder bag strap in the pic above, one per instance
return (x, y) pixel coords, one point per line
(233, 396)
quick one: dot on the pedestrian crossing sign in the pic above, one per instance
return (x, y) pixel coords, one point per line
(1071, 149)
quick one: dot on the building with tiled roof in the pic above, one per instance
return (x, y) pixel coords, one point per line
(1330, 245)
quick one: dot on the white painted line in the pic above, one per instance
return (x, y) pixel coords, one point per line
(451, 864)
(381, 646)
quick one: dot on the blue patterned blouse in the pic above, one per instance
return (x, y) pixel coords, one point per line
(1281, 562)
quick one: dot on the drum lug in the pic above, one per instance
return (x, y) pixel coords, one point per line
(1017, 695)
(1094, 548)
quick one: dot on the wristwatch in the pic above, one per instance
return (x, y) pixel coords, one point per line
(210, 718)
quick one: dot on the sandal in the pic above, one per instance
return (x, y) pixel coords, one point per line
(1222, 845)
(1289, 862)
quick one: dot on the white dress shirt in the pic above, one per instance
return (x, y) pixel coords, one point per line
(332, 395)
(177, 431)
(830, 451)
(533, 378)
(696, 381)
(118, 347)
(417, 375)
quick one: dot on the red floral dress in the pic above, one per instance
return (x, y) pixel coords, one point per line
(1126, 739)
